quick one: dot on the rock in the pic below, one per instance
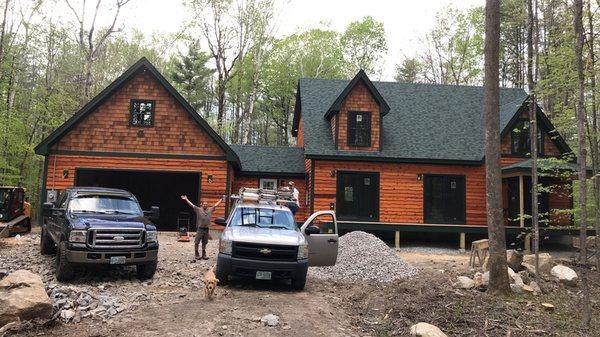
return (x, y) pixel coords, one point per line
(23, 296)
(67, 315)
(514, 259)
(12, 326)
(485, 278)
(516, 279)
(524, 274)
(478, 280)
(529, 267)
(548, 306)
(528, 288)
(3, 273)
(423, 329)
(536, 288)
(545, 262)
(270, 320)
(517, 289)
(565, 275)
(464, 282)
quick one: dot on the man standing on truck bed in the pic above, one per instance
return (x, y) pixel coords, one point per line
(203, 215)
(295, 204)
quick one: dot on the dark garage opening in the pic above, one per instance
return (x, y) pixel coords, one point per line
(151, 188)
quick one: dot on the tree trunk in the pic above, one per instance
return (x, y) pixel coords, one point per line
(594, 146)
(533, 136)
(497, 260)
(581, 157)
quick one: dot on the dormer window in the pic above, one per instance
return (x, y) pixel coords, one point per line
(359, 129)
(141, 112)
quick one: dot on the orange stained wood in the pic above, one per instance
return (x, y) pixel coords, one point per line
(210, 192)
(359, 99)
(401, 193)
(107, 128)
(300, 137)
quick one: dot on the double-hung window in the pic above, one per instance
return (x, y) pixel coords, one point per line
(359, 129)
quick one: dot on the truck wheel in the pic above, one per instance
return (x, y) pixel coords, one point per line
(299, 282)
(222, 277)
(146, 270)
(47, 246)
(64, 268)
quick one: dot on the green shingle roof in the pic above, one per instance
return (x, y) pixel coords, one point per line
(544, 165)
(426, 122)
(280, 160)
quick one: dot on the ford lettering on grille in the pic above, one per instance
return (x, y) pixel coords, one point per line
(116, 238)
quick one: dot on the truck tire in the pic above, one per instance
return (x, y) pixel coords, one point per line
(299, 282)
(146, 270)
(222, 277)
(64, 268)
(47, 246)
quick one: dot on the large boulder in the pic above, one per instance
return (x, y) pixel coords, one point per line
(546, 262)
(464, 282)
(426, 330)
(514, 259)
(565, 275)
(22, 297)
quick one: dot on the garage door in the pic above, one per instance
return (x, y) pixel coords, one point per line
(151, 188)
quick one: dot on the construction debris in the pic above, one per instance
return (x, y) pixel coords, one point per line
(363, 256)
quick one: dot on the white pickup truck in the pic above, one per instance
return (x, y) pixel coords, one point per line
(262, 241)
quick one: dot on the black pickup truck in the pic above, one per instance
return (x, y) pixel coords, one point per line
(92, 225)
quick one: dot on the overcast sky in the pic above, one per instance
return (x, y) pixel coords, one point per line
(405, 20)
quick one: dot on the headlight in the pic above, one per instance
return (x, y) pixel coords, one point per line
(77, 236)
(303, 252)
(151, 236)
(225, 246)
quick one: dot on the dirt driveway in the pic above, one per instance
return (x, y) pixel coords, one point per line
(173, 303)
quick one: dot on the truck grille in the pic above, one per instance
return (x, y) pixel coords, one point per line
(256, 251)
(116, 238)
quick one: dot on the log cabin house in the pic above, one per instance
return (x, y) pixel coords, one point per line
(384, 155)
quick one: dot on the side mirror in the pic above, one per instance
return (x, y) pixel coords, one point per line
(153, 214)
(221, 221)
(47, 208)
(310, 230)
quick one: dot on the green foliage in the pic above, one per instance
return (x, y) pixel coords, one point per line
(364, 45)
(409, 71)
(192, 78)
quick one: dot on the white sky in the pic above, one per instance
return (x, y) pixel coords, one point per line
(404, 21)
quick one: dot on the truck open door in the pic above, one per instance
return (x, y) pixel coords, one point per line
(321, 233)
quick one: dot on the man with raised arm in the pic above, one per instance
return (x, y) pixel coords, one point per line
(203, 216)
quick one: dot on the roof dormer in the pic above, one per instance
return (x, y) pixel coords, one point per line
(355, 116)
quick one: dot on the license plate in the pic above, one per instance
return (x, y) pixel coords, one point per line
(117, 260)
(263, 275)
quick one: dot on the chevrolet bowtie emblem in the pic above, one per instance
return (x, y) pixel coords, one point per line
(265, 251)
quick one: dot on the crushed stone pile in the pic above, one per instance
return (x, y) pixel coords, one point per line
(364, 257)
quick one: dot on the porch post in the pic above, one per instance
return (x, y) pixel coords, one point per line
(521, 202)
(397, 240)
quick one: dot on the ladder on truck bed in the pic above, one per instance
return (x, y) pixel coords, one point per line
(259, 195)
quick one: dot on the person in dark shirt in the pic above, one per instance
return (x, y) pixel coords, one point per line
(203, 216)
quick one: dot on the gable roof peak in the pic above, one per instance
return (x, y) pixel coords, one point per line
(384, 108)
(142, 64)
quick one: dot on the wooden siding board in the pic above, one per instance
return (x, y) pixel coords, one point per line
(401, 194)
(107, 128)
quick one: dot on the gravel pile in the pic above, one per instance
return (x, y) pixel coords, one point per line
(364, 257)
(72, 304)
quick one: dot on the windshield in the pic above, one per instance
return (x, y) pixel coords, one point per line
(263, 218)
(4, 198)
(104, 204)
